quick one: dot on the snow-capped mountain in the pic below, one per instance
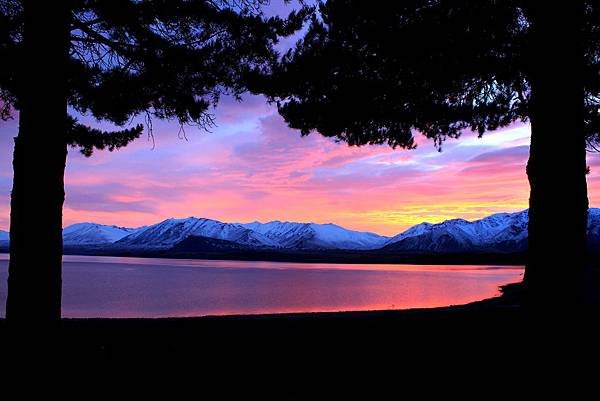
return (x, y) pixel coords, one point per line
(316, 236)
(502, 232)
(168, 233)
(94, 234)
(498, 233)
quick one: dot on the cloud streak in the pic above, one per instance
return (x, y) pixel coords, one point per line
(253, 167)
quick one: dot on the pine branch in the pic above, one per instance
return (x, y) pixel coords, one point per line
(89, 139)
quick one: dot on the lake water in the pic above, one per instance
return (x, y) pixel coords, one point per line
(98, 286)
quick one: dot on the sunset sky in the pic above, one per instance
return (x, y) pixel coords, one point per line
(252, 167)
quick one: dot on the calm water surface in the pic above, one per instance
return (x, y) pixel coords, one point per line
(99, 286)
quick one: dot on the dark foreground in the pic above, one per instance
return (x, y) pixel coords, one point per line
(486, 348)
(491, 332)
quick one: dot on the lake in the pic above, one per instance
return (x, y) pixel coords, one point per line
(100, 286)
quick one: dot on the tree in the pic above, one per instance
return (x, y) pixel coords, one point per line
(368, 74)
(114, 60)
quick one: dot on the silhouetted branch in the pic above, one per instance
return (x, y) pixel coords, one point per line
(95, 37)
(90, 139)
(150, 129)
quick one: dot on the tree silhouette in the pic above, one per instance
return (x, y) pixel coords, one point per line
(367, 74)
(114, 60)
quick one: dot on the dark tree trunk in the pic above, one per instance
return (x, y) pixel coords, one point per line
(557, 164)
(34, 282)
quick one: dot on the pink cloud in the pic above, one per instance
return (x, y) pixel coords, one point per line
(253, 167)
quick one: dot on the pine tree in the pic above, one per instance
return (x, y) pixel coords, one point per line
(372, 74)
(114, 60)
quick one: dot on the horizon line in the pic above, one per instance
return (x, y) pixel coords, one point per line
(292, 222)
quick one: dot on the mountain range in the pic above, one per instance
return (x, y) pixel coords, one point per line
(498, 233)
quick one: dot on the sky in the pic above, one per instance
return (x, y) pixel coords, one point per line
(253, 167)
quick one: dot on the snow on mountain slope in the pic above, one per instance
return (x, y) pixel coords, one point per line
(94, 234)
(169, 232)
(316, 236)
(413, 231)
(502, 232)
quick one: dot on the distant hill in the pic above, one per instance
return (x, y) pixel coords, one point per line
(195, 243)
(498, 234)
(502, 232)
(94, 234)
(316, 236)
(170, 232)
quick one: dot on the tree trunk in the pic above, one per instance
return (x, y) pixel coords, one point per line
(34, 282)
(557, 164)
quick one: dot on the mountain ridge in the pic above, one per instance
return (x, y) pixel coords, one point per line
(93, 233)
(294, 235)
(169, 232)
(498, 233)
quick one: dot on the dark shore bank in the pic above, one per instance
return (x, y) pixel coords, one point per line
(485, 330)
(496, 335)
(309, 256)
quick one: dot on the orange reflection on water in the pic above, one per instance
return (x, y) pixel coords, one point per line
(138, 287)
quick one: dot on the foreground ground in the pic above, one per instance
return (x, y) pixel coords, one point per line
(489, 330)
(496, 340)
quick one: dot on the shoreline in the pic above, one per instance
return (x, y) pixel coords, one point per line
(484, 331)
(331, 256)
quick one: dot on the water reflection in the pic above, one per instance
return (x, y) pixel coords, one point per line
(136, 287)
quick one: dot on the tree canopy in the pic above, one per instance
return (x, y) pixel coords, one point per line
(368, 74)
(166, 59)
